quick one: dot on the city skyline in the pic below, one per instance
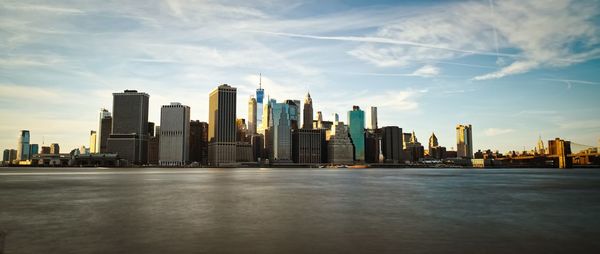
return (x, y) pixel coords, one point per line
(343, 54)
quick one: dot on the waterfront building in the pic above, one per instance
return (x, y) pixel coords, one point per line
(308, 113)
(23, 145)
(243, 151)
(464, 141)
(435, 150)
(104, 130)
(54, 148)
(373, 146)
(257, 143)
(260, 94)
(45, 150)
(280, 133)
(33, 150)
(414, 150)
(222, 130)
(308, 146)
(340, 149)
(372, 118)
(252, 116)
(9, 155)
(174, 143)
(199, 142)
(129, 136)
(561, 149)
(93, 142)
(153, 148)
(294, 113)
(356, 124)
(392, 140)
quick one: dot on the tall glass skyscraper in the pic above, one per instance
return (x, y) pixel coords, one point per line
(464, 141)
(23, 146)
(356, 121)
(280, 132)
(260, 95)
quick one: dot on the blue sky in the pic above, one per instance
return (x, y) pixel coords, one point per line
(513, 69)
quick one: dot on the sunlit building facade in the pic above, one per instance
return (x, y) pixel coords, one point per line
(222, 130)
(464, 141)
(23, 145)
(174, 143)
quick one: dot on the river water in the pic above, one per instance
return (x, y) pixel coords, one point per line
(62, 210)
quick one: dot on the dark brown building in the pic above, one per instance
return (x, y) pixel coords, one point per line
(199, 142)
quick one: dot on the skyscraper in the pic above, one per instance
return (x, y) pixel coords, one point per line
(104, 130)
(93, 142)
(54, 148)
(356, 123)
(129, 136)
(33, 150)
(222, 125)
(23, 145)
(252, 116)
(260, 94)
(308, 113)
(308, 146)
(464, 141)
(433, 142)
(435, 150)
(540, 146)
(339, 148)
(372, 118)
(280, 133)
(199, 142)
(174, 143)
(294, 113)
(392, 144)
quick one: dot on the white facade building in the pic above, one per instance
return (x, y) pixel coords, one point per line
(174, 143)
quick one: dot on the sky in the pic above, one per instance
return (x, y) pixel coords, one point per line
(515, 70)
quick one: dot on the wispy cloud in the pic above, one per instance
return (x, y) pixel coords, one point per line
(491, 132)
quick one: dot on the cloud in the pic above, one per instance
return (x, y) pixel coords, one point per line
(427, 71)
(572, 81)
(491, 132)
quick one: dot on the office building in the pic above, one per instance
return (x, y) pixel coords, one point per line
(257, 143)
(294, 113)
(9, 155)
(464, 141)
(241, 129)
(280, 133)
(392, 148)
(243, 152)
(6, 155)
(260, 95)
(23, 145)
(93, 142)
(539, 149)
(33, 150)
(435, 150)
(356, 125)
(308, 146)
(199, 142)
(54, 148)
(222, 126)
(104, 130)
(561, 149)
(129, 137)
(252, 117)
(414, 151)
(373, 146)
(45, 150)
(174, 142)
(372, 118)
(339, 148)
(308, 113)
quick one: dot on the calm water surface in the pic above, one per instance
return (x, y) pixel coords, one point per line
(300, 210)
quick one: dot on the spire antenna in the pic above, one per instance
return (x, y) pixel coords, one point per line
(259, 80)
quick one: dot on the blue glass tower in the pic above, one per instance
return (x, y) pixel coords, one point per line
(356, 122)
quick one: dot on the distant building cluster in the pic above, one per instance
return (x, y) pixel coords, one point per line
(276, 133)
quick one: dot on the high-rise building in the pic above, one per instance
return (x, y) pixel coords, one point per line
(104, 130)
(9, 155)
(392, 140)
(319, 120)
(199, 142)
(222, 126)
(356, 123)
(540, 146)
(174, 143)
(129, 137)
(33, 150)
(6, 155)
(280, 133)
(464, 141)
(93, 142)
(308, 113)
(373, 146)
(151, 127)
(435, 150)
(372, 118)
(252, 116)
(294, 113)
(242, 129)
(561, 149)
(260, 95)
(23, 145)
(308, 146)
(54, 148)
(340, 149)
(414, 150)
